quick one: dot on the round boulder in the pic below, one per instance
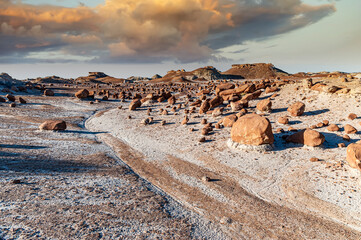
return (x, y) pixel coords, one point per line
(307, 137)
(354, 155)
(252, 129)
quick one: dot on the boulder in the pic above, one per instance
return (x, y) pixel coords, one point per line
(10, 97)
(2, 99)
(354, 155)
(136, 103)
(82, 94)
(333, 128)
(264, 105)
(53, 125)
(349, 129)
(236, 106)
(22, 100)
(224, 86)
(296, 109)
(307, 83)
(204, 107)
(307, 137)
(172, 100)
(48, 92)
(352, 116)
(216, 101)
(228, 121)
(283, 120)
(252, 129)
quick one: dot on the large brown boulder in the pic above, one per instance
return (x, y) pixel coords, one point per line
(297, 109)
(307, 137)
(10, 97)
(252, 129)
(82, 94)
(239, 90)
(354, 155)
(224, 86)
(53, 125)
(216, 101)
(2, 99)
(136, 103)
(264, 105)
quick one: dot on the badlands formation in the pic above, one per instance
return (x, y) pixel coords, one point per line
(249, 153)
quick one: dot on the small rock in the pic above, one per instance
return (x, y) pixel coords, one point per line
(206, 179)
(352, 116)
(16, 181)
(296, 109)
(21, 100)
(202, 139)
(314, 159)
(12, 105)
(204, 121)
(264, 105)
(283, 120)
(48, 92)
(333, 128)
(341, 145)
(346, 138)
(226, 220)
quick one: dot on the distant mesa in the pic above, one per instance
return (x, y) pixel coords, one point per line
(181, 76)
(100, 77)
(254, 71)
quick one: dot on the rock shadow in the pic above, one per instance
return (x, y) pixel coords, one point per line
(31, 163)
(316, 112)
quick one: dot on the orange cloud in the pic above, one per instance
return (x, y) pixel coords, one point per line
(186, 30)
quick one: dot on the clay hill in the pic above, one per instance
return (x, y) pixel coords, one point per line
(7, 80)
(52, 80)
(254, 71)
(99, 77)
(238, 71)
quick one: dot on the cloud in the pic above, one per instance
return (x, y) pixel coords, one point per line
(148, 31)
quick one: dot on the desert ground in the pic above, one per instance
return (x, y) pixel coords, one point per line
(154, 158)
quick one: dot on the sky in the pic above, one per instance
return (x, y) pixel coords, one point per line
(145, 37)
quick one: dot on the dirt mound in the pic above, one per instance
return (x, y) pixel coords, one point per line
(254, 71)
(208, 73)
(99, 77)
(181, 76)
(53, 79)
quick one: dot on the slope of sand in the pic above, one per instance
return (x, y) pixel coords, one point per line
(255, 195)
(68, 185)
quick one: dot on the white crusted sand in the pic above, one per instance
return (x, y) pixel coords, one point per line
(284, 176)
